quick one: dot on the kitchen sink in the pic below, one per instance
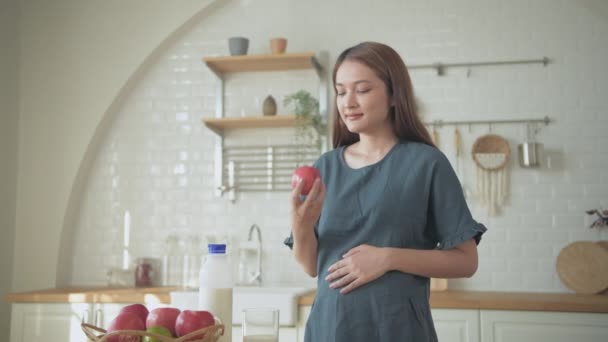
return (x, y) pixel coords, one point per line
(283, 298)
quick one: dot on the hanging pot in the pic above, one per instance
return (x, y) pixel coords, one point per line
(530, 151)
(529, 154)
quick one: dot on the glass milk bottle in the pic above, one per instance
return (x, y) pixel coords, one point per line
(215, 292)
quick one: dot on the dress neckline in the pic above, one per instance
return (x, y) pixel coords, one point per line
(369, 166)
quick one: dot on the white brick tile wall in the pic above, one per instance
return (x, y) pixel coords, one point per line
(156, 161)
(532, 281)
(512, 280)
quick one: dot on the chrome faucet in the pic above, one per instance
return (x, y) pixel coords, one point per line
(256, 277)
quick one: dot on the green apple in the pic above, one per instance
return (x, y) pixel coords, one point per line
(156, 330)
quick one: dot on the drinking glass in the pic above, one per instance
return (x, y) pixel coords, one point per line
(261, 325)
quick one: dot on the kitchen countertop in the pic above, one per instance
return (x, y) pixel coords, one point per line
(530, 301)
(526, 301)
(94, 294)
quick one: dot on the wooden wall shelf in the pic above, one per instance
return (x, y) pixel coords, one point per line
(219, 125)
(287, 61)
(225, 179)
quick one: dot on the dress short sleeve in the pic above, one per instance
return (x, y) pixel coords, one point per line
(289, 241)
(449, 218)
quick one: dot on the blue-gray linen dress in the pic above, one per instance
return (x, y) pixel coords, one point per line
(409, 199)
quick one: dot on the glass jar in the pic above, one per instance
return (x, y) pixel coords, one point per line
(192, 262)
(145, 272)
(172, 261)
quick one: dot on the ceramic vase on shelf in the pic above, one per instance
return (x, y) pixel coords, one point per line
(278, 45)
(238, 46)
(269, 106)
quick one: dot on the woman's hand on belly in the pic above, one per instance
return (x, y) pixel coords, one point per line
(359, 266)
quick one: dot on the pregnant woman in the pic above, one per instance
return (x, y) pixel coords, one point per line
(386, 214)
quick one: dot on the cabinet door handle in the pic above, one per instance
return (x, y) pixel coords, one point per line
(85, 317)
(98, 318)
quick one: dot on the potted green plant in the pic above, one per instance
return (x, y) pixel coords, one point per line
(310, 126)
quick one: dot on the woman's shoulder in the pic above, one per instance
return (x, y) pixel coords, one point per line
(329, 157)
(420, 151)
(333, 153)
(420, 158)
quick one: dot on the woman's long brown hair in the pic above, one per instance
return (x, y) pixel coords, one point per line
(390, 68)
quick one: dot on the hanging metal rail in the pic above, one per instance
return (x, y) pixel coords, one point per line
(440, 123)
(440, 67)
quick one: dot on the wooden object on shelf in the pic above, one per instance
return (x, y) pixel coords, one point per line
(583, 267)
(269, 107)
(219, 125)
(276, 62)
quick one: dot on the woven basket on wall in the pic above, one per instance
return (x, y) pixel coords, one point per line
(95, 334)
(491, 144)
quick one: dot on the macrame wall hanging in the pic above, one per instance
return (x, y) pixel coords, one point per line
(491, 155)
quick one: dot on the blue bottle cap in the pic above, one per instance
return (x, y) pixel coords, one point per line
(217, 248)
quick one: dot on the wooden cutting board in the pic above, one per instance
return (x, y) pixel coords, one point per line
(583, 266)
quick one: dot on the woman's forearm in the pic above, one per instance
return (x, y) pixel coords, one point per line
(305, 251)
(459, 262)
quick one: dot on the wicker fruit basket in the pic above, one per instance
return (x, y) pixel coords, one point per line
(95, 334)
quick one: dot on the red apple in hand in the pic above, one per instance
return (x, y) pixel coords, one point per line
(189, 321)
(306, 174)
(126, 321)
(163, 317)
(139, 310)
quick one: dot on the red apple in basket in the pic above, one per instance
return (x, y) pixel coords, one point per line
(163, 317)
(189, 321)
(138, 309)
(306, 174)
(126, 321)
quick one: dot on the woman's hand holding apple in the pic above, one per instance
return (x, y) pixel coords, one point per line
(305, 175)
(305, 213)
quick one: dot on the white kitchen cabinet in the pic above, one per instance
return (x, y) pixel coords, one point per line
(471, 325)
(31, 322)
(452, 325)
(286, 334)
(533, 326)
(456, 325)
(49, 322)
